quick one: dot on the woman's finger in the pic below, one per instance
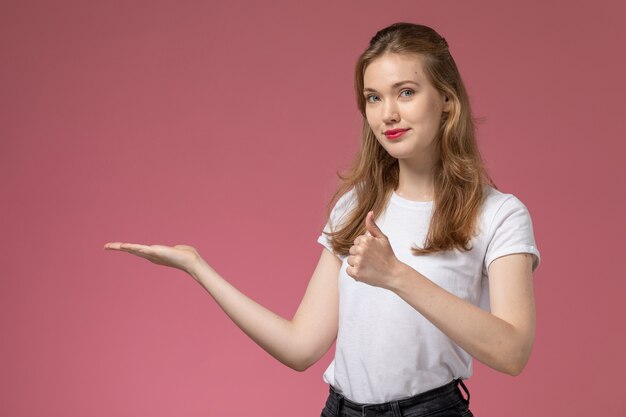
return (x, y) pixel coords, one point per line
(135, 247)
(112, 245)
(126, 246)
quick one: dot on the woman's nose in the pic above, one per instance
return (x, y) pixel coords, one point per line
(390, 113)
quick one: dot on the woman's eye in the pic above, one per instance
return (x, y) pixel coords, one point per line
(406, 93)
(371, 98)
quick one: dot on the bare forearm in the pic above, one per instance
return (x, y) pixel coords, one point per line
(273, 333)
(298, 343)
(486, 337)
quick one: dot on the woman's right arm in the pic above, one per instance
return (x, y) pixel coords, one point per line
(297, 343)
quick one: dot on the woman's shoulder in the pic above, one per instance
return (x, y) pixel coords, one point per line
(344, 204)
(496, 200)
(502, 209)
(507, 226)
(347, 198)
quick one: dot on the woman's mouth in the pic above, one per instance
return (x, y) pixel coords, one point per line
(394, 133)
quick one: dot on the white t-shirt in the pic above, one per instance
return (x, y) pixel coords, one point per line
(385, 349)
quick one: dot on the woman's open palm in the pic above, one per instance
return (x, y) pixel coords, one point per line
(180, 256)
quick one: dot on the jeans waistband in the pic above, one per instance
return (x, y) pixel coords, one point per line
(434, 399)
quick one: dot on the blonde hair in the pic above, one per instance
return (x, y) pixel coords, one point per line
(460, 174)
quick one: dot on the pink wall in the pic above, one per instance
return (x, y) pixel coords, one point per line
(221, 125)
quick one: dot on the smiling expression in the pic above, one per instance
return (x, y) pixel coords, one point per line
(403, 108)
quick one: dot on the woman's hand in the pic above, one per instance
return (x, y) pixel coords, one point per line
(180, 256)
(371, 259)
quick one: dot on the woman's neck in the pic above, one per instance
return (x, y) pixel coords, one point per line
(416, 182)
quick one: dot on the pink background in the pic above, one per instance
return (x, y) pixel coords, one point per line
(221, 125)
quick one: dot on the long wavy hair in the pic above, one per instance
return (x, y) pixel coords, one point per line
(460, 175)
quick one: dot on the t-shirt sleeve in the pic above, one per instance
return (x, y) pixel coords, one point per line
(338, 215)
(512, 232)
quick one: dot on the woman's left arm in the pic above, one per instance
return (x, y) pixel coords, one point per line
(501, 339)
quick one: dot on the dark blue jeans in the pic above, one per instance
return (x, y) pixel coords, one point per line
(445, 401)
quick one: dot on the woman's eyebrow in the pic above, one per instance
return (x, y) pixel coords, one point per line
(395, 85)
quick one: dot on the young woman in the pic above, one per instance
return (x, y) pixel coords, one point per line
(425, 264)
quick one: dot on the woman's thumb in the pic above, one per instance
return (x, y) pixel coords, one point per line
(372, 227)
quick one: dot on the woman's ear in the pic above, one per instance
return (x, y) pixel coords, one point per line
(447, 103)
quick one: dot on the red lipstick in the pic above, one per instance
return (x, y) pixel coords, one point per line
(394, 133)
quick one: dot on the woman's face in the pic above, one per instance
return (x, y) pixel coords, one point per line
(403, 108)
